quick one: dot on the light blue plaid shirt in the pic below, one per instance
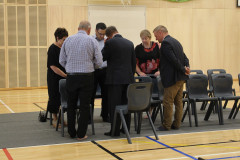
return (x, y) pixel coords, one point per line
(80, 53)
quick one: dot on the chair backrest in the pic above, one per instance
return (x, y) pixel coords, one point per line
(160, 88)
(196, 71)
(197, 86)
(222, 85)
(149, 79)
(139, 96)
(63, 92)
(213, 71)
(239, 79)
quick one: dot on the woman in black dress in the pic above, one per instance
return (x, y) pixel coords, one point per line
(148, 57)
(55, 72)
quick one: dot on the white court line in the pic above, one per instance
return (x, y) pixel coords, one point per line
(204, 155)
(7, 106)
(119, 139)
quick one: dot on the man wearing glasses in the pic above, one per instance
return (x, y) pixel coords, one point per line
(100, 74)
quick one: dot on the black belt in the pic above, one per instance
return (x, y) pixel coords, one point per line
(79, 74)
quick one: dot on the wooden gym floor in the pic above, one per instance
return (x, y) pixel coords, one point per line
(220, 144)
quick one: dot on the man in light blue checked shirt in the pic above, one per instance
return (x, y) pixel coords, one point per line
(80, 55)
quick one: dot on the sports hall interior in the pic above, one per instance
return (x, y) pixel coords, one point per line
(207, 29)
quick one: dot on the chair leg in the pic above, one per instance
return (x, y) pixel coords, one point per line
(114, 123)
(62, 122)
(233, 109)
(58, 120)
(92, 123)
(209, 111)
(221, 110)
(185, 113)
(139, 123)
(195, 113)
(50, 118)
(189, 114)
(225, 104)
(161, 112)
(236, 112)
(135, 120)
(153, 128)
(125, 127)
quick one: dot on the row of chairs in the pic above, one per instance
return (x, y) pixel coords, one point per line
(196, 91)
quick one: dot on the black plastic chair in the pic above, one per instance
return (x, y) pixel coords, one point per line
(139, 100)
(154, 98)
(239, 79)
(197, 92)
(222, 89)
(216, 71)
(63, 108)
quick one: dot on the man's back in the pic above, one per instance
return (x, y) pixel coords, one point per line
(121, 59)
(172, 62)
(81, 51)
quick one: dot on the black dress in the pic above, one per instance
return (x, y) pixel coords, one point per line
(53, 79)
(148, 58)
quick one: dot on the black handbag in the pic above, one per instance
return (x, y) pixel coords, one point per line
(42, 117)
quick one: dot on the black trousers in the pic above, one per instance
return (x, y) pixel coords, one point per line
(79, 86)
(99, 78)
(117, 95)
(54, 101)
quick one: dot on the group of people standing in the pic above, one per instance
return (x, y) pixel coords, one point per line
(110, 61)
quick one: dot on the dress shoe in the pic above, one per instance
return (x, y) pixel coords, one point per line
(105, 119)
(161, 128)
(110, 134)
(173, 127)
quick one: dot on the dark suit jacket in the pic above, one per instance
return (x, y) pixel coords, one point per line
(172, 62)
(121, 60)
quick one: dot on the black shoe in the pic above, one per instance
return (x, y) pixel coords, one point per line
(107, 133)
(105, 119)
(173, 127)
(200, 158)
(161, 128)
(110, 134)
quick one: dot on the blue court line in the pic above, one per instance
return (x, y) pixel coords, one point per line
(224, 158)
(172, 148)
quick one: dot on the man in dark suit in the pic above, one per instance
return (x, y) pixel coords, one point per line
(174, 70)
(121, 61)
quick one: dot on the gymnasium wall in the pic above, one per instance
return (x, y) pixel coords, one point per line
(207, 29)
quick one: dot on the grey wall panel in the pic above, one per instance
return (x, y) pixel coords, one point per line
(43, 66)
(1, 25)
(12, 64)
(11, 13)
(33, 25)
(22, 67)
(42, 18)
(2, 68)
(34, 67)
(21, 21)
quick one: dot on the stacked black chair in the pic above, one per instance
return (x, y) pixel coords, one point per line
(63, 108)
(222, 89)
(139, 100)
(215, 71)
(197, 92)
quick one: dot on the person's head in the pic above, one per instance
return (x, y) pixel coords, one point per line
(100, 31)
(60, 35)
(160, 32)
(145, 36)
(86, 26)
(110, 31)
